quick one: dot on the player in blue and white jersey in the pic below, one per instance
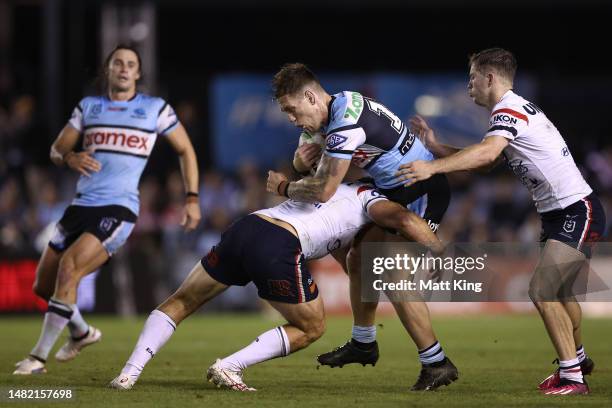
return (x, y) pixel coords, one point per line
(118, 131)
(363, 132)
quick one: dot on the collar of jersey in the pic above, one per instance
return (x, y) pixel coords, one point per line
(329, 110)
(109, 100)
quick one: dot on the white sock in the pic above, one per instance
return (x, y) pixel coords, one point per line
(158, 328)
(364, 334)
(432, 354)
(57, 317)
(570, 370)
(580, 353)
(77, 325)
(271, 344)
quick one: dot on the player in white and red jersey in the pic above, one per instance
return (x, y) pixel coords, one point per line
(118, 130)
(572, 216)
(269, 248)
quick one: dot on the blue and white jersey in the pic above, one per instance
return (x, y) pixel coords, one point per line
(120, 135)
(374, 138)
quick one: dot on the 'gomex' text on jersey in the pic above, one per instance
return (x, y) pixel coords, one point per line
(537, 153)
(324, 227)
(121, 136)
(367, 132)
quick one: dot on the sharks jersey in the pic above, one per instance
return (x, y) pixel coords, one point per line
(537, 153)
(120, 135)
(374, 138)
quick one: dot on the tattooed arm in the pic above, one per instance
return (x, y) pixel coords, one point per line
(318, 188)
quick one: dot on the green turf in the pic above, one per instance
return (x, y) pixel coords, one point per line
(500, 361)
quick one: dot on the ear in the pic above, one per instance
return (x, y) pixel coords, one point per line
(310, 96)
(490, 78)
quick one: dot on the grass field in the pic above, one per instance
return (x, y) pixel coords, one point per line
(500, 359)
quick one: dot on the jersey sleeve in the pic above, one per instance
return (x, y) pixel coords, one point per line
(167, 120)
(507, 121)
(369, 195)
(342, 142)
(76, 119)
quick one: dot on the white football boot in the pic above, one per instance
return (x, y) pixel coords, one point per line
(123, 382)
(222, 377)
(72, 348)
(29, 366)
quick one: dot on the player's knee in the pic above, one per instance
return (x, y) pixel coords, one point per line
(41, 291)
(315, 330)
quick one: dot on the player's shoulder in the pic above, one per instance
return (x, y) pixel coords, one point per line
(346, 109)
(510, 108)
(90, 101)
(154, 102)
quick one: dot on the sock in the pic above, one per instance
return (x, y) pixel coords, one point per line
(364, 334)
(77, 325)
(570, 370)
(158, 328)
(57, 317)
(432, 354)
(580, 353)
(271, 344)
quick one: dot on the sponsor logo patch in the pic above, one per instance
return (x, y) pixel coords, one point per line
(335, 140)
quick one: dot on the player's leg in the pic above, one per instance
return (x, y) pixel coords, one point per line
(46, 273)
(305, 325)
(559, 263)
(573, 309)
(198, 288)
(84, 256)
(362, 348)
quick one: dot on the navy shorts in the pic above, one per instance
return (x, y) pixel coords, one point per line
(253, 249)
(111, 224)
(578, 225)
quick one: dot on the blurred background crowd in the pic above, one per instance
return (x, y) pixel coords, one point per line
(38, 91)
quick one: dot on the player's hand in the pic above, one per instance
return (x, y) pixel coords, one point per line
(417, 170)
(192, 215)
(274, 179)
(306, 156)
(82, 162)
(420, 128)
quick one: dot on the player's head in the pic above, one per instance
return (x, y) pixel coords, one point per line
(122, 69)
(300, 95)
(490, 68)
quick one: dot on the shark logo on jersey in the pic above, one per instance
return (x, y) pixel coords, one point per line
(335, 140)
(139, 113)
(95, 110)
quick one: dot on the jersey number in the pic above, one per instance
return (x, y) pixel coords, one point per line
(377, 108)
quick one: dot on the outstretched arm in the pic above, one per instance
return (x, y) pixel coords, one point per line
(472, 157)
(179, 140)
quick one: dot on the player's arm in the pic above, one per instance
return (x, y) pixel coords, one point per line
(419, 127)
(389, 214)
(62, 153)
(306, 157)
(179, 140)
(472, 157)
(323, 185)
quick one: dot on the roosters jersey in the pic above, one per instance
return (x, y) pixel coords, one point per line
(537, 154)
(120, 135)
(374, 138)
(324, 227)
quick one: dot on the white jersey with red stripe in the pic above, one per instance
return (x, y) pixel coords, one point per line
(537, 153)
(324, 227)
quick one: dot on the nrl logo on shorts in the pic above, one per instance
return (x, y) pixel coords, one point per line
(335, 140)
(569, 225)
(107, 223)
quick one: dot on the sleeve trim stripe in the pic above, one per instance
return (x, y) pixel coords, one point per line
(506, 128)
(162, 109)
(168, 128)
(343, 128)
(368, 203)
(79, 108)
(513, 113)
(340, 151)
